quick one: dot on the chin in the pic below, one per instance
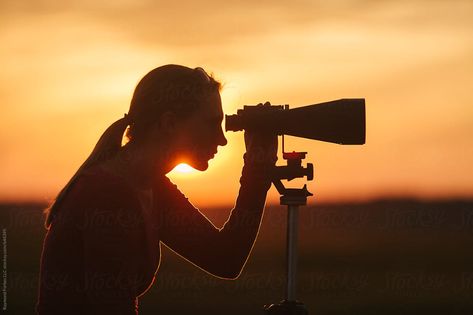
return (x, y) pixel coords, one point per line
(202, 165)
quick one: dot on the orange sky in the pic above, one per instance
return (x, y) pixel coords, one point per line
(69, 69)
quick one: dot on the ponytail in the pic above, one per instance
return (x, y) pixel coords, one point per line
(108, 145)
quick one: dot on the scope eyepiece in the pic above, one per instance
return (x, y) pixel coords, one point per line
(233, 123)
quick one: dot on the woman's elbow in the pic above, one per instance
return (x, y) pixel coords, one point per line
(228, 274)
(230, 270)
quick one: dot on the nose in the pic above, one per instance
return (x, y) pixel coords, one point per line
(222, 141)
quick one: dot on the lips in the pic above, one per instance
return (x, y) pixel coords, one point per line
(208, 154)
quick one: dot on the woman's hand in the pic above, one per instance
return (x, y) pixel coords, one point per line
(261, 147)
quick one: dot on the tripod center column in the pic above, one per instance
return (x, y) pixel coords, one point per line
(292, 224)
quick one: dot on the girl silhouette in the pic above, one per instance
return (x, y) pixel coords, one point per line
(102, 248)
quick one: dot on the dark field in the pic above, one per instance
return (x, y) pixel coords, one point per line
(383, 257)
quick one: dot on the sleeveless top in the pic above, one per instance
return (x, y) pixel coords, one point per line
(102, 250)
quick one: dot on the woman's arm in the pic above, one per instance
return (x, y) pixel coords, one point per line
(221, 252)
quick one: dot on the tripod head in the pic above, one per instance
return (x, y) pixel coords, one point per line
(293, 169)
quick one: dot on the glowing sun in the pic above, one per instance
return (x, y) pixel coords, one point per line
(183, 168)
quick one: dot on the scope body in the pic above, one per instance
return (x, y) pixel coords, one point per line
(341, 121)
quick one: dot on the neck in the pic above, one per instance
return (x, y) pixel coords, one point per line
(139, 165)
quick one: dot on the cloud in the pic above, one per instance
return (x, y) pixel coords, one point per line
(207, 22)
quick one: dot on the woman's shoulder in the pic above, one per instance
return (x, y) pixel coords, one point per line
(94, 192)
(96, 184)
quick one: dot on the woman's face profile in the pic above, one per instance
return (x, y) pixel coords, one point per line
(197, 137)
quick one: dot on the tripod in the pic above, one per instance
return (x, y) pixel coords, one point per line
(292, 198)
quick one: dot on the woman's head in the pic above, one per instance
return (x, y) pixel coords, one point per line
(183, 105)
(173, 103)
(170, 88)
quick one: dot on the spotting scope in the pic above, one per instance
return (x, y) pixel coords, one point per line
(341, 121)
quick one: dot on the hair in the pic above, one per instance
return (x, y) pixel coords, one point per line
(174, 88)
